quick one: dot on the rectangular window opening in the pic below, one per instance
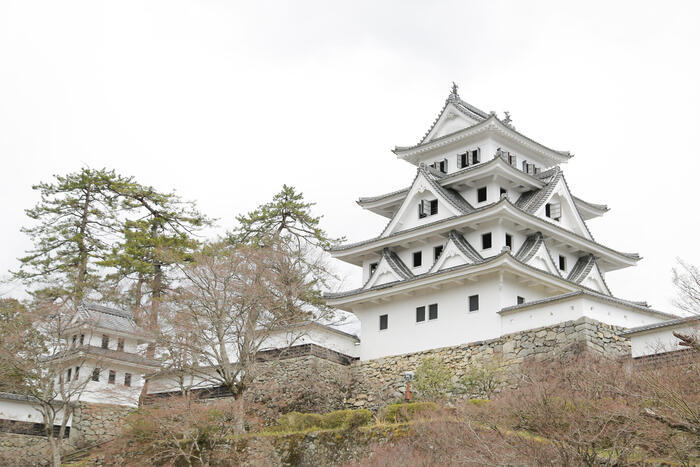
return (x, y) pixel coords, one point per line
(120, 344)
(476, 156)
(481, 194)
(433, 207)
(420, 314)
(69, 374)
(372, 268)
(521, 300)
(77, 372)
(473, 303)
(417, 259)
(112, 376)
(509, 241)
(105, 341)
(502, 191)
(486, 241)
(438, 251)
(82, 339)
(562, 262)
(433, 311)
(383, 322)
(96, 374)
(127, 379)
(463, 160)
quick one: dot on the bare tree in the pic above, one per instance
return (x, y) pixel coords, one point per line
(686, 278)
(46, 363)
(233, 301)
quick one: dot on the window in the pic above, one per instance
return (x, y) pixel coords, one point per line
(383, 322)
(372, 268)
(509, 241)
(105, 341)
(437, 251)
(127, 379)
(96, 374)
(440, 165)
(69, 374)
(473, 303)
(463, 160)
(82, 339)
(120, 344)
(524, 166)
(427, 208)
(77, 372)
(112, 376)
(562, 262)
(521, 300)
(75, 339)
(502, 191)
(486, 241)
(432, 311)
(417, 259)
(420, 314)
(475, 156)
(481, 194)
(553, 211)
(511, 159)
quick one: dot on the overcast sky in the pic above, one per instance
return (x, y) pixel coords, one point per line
(226, 101)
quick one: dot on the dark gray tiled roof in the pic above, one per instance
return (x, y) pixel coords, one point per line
(674, 322)
(531, 201)
(599, 207)
(108, 318)
(452, 196)
(465, 247)
(464, 107)
(590, 293)
(582, 268)
(529, 247)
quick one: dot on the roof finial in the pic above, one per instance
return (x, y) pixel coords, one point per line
(454, 96)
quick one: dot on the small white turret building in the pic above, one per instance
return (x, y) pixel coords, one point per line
(487, 240)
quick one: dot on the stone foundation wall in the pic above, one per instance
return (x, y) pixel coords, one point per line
(23, 450)
(93, 423)
(381, 381)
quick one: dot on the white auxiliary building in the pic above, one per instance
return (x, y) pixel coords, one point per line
(487, 240)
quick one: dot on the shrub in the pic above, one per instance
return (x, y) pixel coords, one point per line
(295, 421)
(399, 413)
(482, 380)
(357, 418)
(433, 379)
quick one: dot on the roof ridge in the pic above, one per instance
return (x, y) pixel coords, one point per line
(464, 246)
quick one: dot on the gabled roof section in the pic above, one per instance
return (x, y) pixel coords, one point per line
(389, 269)
(534, 252)
(587, 268)
(427, 179)
(454, 109)
(457, 251)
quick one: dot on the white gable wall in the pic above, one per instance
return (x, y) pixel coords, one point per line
(660, 340)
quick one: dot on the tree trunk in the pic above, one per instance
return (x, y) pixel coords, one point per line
(82, 249)
(55, 451)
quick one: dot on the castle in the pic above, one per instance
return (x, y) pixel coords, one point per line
(485, 253)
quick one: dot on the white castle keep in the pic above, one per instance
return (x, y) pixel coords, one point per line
(487, 240)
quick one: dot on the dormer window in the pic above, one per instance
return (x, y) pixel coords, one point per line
(553, 211)
(427, 208)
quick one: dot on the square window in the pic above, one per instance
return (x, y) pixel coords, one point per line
(105, 341)
(383, 322)
(562, 262)
(481, 195)
(521, 300)
(112, 376)
(473, 303)
(437, 251)
(120, 344)
(420, 314)
(432, 311)
(417, 259)
(96, 374)
(486, 241)
(509, 241)
(127, 379)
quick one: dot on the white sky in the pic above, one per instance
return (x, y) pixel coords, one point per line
(227, 101)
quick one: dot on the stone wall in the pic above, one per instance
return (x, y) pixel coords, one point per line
(23, 450)
(93, 423)
(381, 381)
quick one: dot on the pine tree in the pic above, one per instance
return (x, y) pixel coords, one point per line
(77, 221)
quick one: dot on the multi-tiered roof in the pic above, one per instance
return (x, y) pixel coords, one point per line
(534, 204)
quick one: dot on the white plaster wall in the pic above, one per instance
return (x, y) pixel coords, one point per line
(103, 392)
(313, 335)
(548, 314)
(23, 411)
(659, 340)
(455, 324)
